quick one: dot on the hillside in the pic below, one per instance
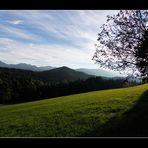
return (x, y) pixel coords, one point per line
(64, 73)
(22, 85)
(95, 72)
(54, 75)
(114, 112)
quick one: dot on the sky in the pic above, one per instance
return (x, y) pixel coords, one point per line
(51, 37)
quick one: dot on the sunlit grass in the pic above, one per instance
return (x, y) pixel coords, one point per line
(68, 116)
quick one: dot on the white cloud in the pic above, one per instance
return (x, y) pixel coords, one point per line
(78, 27)
(73, 25)
(15, 32)
(44, 54)
(16, 22)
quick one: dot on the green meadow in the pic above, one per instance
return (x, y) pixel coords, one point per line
(114, 112)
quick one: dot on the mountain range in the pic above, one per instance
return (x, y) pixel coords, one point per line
(97, 72)
(53, 75)
(24, 66)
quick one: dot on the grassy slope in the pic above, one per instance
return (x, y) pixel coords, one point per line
(99, 113)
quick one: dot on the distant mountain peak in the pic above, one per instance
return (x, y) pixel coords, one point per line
(25, 66)
(64, 67)
(2, 62)
(97, 72)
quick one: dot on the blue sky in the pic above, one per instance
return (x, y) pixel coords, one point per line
(51, 37)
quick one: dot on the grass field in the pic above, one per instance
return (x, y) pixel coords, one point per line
(116, 112)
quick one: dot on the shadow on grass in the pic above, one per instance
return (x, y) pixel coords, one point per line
(133, 123)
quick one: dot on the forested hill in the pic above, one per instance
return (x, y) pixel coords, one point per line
(22, 85)
(63, 73)
(54, 75)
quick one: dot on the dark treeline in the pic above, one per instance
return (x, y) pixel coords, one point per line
(16, 88)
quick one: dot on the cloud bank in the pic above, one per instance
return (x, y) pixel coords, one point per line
(51, 37)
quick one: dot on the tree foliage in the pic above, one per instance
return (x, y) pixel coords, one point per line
(123, 43)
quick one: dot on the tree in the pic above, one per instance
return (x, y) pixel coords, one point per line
(123, 43)
(5, 92)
